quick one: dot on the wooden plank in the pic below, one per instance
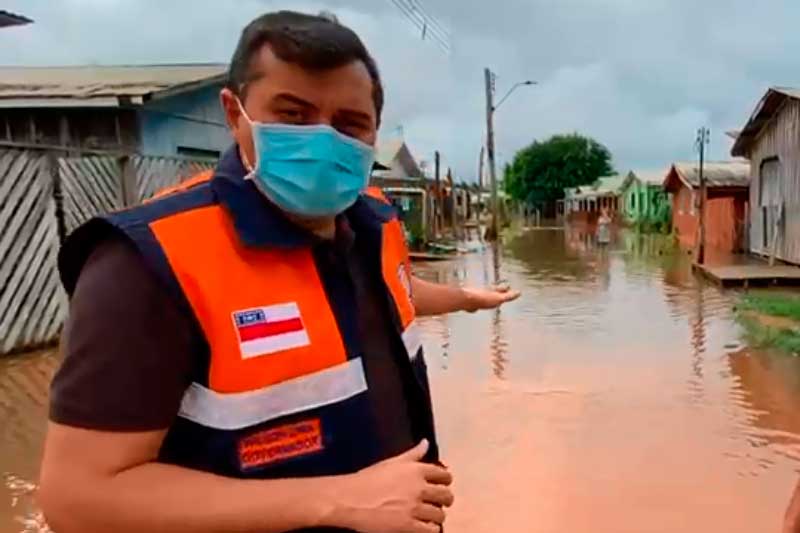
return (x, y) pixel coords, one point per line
(44, 288)
(92, 185)
(19, 227)
(32, 303)
(21, 279)
(32, 307)
(751, 274)
(28, 247)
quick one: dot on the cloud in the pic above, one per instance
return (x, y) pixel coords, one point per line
(639, 75)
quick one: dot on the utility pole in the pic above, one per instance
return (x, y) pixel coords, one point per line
(480, 166)
(452, 202)
(491, 232)
(437, 199)
(702, 140)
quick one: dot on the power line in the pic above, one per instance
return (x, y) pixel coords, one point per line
(424, 23)
(428, 21)
(434, 21)
(420, 22)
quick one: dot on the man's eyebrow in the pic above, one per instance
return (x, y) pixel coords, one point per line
(355, 113)
(289, 97)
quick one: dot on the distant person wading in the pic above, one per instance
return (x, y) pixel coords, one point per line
(604, 227)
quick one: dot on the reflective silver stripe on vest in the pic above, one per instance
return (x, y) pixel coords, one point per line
(412, 338)
(238, 410)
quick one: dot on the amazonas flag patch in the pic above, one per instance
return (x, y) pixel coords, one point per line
(266, 330)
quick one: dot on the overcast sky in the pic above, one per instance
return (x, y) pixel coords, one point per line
(638, 75)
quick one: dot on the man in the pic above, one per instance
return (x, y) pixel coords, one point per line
(242, 355)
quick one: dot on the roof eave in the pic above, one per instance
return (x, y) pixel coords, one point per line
(60, 102)
(8, 19)
(758, 119)
(188, 86)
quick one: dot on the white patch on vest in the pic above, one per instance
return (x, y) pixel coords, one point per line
(231, 411)
(270, 329)
(405, 281)
(412, 338)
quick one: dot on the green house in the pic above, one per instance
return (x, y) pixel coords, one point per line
(645, 203)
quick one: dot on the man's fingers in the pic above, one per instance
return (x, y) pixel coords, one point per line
(425, 527)
(413, 455)
(438, 495)
(436, 475)
(510, 295)
(429, 513)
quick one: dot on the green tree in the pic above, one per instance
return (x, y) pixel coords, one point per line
(540, 172)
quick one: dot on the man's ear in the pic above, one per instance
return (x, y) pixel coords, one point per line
(232, 110)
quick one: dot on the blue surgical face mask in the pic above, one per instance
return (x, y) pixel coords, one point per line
(311, 171)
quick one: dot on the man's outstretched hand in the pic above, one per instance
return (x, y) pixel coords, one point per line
(478, 299)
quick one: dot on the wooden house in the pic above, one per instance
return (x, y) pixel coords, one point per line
(771, 141)
(398, 173)
(163, 110)
(584, 203)
(645, 203)
(727, 195)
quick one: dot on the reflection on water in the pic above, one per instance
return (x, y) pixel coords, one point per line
(614, 396)
(23, 410)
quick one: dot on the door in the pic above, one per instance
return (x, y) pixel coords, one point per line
(769, 198)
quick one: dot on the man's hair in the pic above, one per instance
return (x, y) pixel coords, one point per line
(314, 42)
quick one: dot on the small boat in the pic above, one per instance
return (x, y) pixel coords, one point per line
(424, 256)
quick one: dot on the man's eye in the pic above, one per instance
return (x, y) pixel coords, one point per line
(351, 129)
(291, 115)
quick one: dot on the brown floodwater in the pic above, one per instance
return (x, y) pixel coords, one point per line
(616, 395)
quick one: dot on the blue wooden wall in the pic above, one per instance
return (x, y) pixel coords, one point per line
(192, 119)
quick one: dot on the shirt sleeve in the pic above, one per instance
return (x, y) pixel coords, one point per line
(126, 347)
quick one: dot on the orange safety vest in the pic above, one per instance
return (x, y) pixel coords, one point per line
(197, 179)
(281, 390)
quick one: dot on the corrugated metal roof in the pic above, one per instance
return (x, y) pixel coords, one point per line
(789, 91)
(717, 174)
(610, 184)
(36, 85)
(387, 150)
(605, 186)
(764, 111)
(651, 177)
(12, 19)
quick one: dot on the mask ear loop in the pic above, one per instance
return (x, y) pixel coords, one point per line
(247, 165)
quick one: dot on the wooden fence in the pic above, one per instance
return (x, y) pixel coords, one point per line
(44, 195)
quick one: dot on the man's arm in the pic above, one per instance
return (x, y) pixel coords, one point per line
(791, 522)
(437, 299)
(96, 481)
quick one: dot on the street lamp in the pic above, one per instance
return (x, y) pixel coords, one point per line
(491, 233)
(511, 90)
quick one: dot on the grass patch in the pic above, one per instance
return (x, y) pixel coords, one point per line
(772, 304)
(771, 320)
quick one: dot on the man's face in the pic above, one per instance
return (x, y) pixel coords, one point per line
(283, 92)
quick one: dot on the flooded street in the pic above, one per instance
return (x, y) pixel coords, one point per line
(615, 395)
